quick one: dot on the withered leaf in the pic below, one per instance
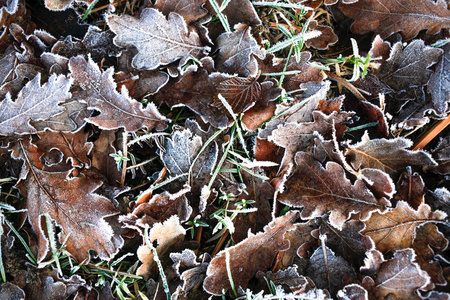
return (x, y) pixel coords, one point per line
(64, 199)
(11, 291)
(442, 156)
(428, 237)
(399, 277)
(300, 136)
(190, 10)
(240, 92)
(167, 234)
(116, 109)
(388, 155)
(256, 253)
(386, 17)
(410, 188)
(328, 270)
(325, 39)
(101, 156)
(352, 292)
(439, 84)
(239, 11)
(34, 102)
(159, 41)
(63, 4)
(237, 52)
(321, 190)
(396, 228)
(408, 67)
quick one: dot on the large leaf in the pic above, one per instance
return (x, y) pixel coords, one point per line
(386, 17)
(34, 102)
(63, 198)
(322, 190)
(159, 41)
(116, 109)
(439, 84)
(256, 253)
(396, 229)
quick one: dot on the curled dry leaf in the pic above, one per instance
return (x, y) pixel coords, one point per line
(408, 67)
(190, 10)
(398, 277)
(322, 190)
(388, 155)
(328, 271)
(64, 199)
(167, 235)
(386, 17)
(116, 109)
(396, 228)
(411, 188)
(34, 102)
(238, 51)
(256, 253)
(159, 41)
(352, 292)
(439, 84)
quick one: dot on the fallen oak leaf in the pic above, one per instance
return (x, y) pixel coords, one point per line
(159, 41)
(256, 253)
(116, 109)
(439, 83)
(34, 102)
(190, 10)
(64, 199)
(396, 228)
(386, 17)
(322, 190)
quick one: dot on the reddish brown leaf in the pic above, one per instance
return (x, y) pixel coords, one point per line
(410, 187)
(256, 253)
(101, 156)
(353, 292)
(159, 41)
(325, 39)
(240, 92)
(396, 228)
(239, 11)
(398, 277)
(322, 190)
(386, 17)
(190, 10)
(64, 199)
(116, 109)
(388, 155)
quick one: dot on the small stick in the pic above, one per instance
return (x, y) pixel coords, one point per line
(220, 243)
(347, 84)
(198, 238)
(431, 134)
(125, 154)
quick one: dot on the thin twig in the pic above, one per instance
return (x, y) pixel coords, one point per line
(431, 134)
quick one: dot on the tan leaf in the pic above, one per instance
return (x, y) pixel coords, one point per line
(388, 155)
(322, 190)
(398, 277)
(159, 41)
(396, 228)
(64, 199)
(63, 4)
(256, 253)
(34, 102)
(386, 17)
(116, 109)
(190, 10)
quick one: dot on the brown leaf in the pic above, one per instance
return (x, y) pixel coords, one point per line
(300, 136)
(116, 109)
(101, 156)
(239, 11)
(167, 234)
(442, 156)
(396, 228)
(398, 277)
(352, 292)
(190, 10)
(63, 198)
(157, 210)
(439, 84)
(348, 243)
(328, 271)
(386, 17)
(34, 102)
(159, 41)
(388, 155)
(322, 190)
(11, 291)
(428, 237)
(325, 39)
(238, 51)
(63, 4)
(240, 92)
(408, 67)
(256, 253)
(411, 188)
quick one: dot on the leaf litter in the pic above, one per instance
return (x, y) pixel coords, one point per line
(176, 149)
